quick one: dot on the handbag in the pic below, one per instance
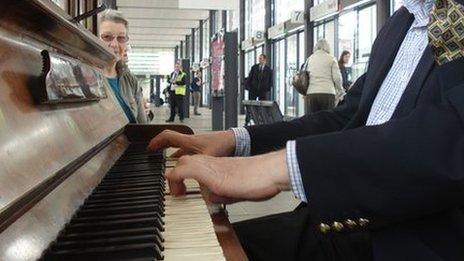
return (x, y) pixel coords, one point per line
(300, 80)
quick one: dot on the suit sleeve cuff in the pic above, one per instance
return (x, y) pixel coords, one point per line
(294, 172)
(242, 142)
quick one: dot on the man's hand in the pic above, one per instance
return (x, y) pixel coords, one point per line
(233, 179)
(218, 144)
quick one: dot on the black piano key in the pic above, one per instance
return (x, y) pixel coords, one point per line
(106, 242)
(93, 218)
(130, 185)
(122, 210)
(141, 156)
(127, 194)
(124, 190)
(122, 218)
(151, 173)
(124, 204)
(124, 252)
(109, 234)
(139, 160)
(128, 199)
(110, 181)
(135, 167)
(115, 224)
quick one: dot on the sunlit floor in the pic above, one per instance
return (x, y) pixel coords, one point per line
(239, 211)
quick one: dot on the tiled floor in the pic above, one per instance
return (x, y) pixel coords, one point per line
(239, 211)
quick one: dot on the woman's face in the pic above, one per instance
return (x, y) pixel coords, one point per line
(346, 58)
(115, 37)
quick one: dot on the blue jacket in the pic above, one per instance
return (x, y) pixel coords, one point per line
(405, 176)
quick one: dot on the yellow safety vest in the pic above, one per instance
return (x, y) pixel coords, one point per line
(180, 89)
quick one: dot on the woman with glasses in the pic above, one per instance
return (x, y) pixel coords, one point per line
(113, 31)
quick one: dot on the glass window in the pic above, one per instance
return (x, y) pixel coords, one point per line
(367, 17)
(301, 61)
(284, 8)
(254, 17)
(206, 39)
(249, 62)
(395, 5)
(292, 67)
(318, 32)
(346, 34)
(329, 35)
(196, 58)
(233, 20)
(326, 31)
(206, 87)
(218, 21)
(279, 72)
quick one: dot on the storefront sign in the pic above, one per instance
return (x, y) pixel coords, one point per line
(298, 17)
(326, 8)
(276, 31)
(247, 44)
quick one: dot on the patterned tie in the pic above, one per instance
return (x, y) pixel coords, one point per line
(446, 31)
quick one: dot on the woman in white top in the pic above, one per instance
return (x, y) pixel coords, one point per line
(325, 84)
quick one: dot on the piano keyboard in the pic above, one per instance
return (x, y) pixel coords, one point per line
(129, 216)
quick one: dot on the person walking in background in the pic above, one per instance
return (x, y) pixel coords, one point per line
(259, 82)
(325, 84)
(345, 71)
(177, 90)
(195, 88)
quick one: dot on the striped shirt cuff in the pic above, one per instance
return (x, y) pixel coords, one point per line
(242, 142)
(294, 172)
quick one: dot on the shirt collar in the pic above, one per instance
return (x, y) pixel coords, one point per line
(421, 10)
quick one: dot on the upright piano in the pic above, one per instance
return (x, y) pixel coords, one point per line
(76, 182)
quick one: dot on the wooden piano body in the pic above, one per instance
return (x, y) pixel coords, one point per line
(52, 156)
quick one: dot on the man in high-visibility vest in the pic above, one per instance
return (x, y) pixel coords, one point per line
(177, 91)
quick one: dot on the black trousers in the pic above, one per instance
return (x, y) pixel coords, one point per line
(176, 102)
(320, 102)
(293, 236)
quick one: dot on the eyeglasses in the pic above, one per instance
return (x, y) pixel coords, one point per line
(109, 38)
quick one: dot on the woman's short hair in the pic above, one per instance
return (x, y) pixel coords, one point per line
(322, 45)
(114, 16)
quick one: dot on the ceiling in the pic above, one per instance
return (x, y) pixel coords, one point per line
(158, 24)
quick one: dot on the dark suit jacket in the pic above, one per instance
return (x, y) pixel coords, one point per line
(405, 176)
(259, 81)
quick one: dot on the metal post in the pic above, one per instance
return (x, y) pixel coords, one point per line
(212, 22)
(186, 67)
(181, 53)
(383, 12)
(192, 52)
(200, 34)
(241, 68)
(231, 79)
(308, 35)
(224, 20)
(158, 89)
(152, 90)
(308, 30)
(176, 54)
(187, 47)
(267, 25)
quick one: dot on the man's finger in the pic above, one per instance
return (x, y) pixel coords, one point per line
(179, 153)
(177, 188)
(165, 140)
